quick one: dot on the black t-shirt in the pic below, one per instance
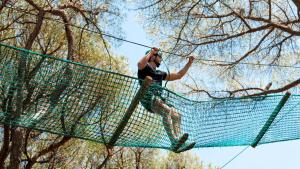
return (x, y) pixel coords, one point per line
(157, 75)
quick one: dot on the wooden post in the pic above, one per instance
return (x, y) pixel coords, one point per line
(141, 92)
(271, 119)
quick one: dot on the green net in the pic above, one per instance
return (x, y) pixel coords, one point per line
(58, 96)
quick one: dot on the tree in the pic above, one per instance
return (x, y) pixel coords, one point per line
(55, 28)
(46, 26)
(235, 32)
(183, 160)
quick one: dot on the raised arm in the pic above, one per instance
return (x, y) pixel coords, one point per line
(182, 72)
(144, 60)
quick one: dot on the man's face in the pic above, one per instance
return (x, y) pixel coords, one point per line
(158, 59)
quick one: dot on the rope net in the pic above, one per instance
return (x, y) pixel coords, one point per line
(66, 98)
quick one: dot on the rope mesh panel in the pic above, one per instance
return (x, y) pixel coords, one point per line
(58, 96)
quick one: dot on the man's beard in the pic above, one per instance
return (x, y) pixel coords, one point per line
(157, 63)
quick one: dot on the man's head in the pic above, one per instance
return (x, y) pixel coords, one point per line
(156, 58)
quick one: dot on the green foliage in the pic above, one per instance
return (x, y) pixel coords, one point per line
(228, 34)
(181, 161)
(16, 28)
(89, 49)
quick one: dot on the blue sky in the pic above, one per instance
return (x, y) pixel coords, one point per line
(283, 155)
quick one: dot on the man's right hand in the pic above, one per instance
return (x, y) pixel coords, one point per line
(154, 51)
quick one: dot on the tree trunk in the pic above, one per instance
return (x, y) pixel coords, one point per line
(36, 30)
(107, 158)
(138, 155)
(5, 146)
(17, 135)
(29, 164)
(16, 151)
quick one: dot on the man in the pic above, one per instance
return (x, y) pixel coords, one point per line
(154, 103)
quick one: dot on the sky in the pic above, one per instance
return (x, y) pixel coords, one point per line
(282, 155)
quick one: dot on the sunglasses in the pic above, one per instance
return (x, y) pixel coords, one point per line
(157, 54)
